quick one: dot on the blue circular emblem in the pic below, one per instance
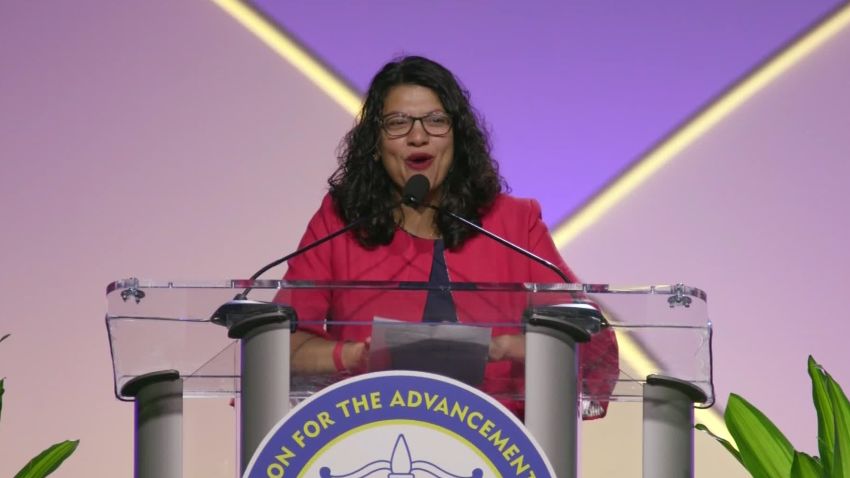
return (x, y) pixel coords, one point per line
(399, 425)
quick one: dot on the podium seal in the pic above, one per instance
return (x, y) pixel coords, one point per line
(399, 425)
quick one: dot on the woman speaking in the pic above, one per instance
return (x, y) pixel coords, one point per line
(417, 120)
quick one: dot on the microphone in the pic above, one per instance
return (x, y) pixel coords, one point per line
(577, 319)
(506, 243)
(419, 178)
(415, 190)
(240, 308)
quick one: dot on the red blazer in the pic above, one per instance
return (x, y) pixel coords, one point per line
(408, 258)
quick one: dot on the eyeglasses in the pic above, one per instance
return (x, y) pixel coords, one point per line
(398, 125)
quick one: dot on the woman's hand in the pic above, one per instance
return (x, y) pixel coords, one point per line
(314, 355)
(355, 356)
(507, 347)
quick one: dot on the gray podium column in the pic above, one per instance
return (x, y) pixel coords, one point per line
(552, 390)
(264, 385)
(159, 424)
(668, 427)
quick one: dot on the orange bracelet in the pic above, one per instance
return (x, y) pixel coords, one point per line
(337, 356)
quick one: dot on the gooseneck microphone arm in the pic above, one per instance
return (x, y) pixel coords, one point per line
(413, 194)
(505, 243)
(421, 183)
(243, 295)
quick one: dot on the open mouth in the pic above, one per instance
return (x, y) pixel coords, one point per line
(419, 161)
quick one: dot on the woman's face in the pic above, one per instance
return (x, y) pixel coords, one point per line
(416, 152)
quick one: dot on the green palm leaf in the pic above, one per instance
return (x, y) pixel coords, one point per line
(804, 466)
(2, 380)
(841, 414)
(765, 451)
(823, 406)
(48, 460)
(726, 444)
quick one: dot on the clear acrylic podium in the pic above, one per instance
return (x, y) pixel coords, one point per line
(174, 340)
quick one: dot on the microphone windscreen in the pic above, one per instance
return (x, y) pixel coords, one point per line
(416, 190)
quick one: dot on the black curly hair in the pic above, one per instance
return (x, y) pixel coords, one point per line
(360, 185)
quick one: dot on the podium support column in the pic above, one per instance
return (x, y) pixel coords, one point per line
(668, 427)
(552, 390)
(265, 380)
(159, 424)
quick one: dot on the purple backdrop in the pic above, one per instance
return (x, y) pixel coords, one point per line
(574, 91)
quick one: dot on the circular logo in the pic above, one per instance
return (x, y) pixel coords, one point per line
(399, 425)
